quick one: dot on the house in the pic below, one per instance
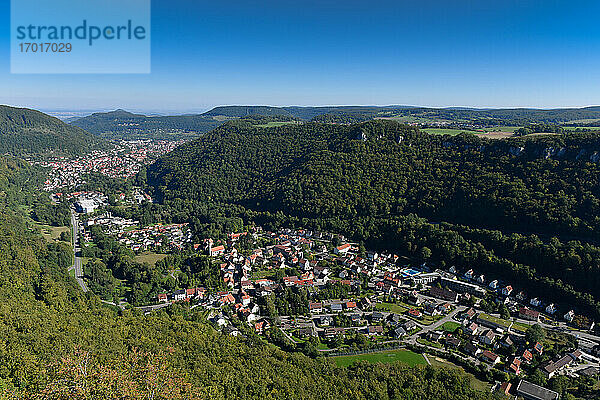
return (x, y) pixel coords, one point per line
(373, 330)
(355, 318)
(521, 296)
(409, 326)
(332, 332)
(471, 328)
(343, 249)
(444, 294)
(376, 317)
(569, 316)
(399, 332)
(414, 299)
(488, 337)
(469, 314)
(445, 308)
(469, 274)
(434, 336)
(551, 368)
(315, 308)
(507, 342)
(325, 320)
(527, 356)
(493, 284)
(481, 279)
(507, 290)
(452, 269)
(453, 342)
(471, 349)
(535, 302)
(490, 357)
(531, 391)
(261, 326)
(162, 297)
(394, 319)
(538, 348)
(431, 309)
(530, 315)
(350, 305)
(336, 307)
(217, 250)
(413, 312)
(179, 295)
(551, 309)
(505, 388)
(514, 365)
(245, 300)
(366, 303)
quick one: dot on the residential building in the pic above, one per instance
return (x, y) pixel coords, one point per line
(531, 391)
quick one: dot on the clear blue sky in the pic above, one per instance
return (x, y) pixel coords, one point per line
(486, 53)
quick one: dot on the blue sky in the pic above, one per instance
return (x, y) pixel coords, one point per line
(484, 53)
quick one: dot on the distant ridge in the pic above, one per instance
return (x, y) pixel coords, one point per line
(29, 132)
(124, 124)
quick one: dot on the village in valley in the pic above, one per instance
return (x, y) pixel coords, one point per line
(349, 300)
(319, 293)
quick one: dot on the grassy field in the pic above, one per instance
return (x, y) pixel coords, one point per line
(395, 308)
(443, 131)
(272, 124)
(149, 257)
(390, 356)
(442, 363)
(51, 233)
(450, 326)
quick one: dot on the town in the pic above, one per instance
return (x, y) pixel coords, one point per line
(124, 160)
(350, 299)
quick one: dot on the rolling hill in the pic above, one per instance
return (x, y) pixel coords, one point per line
(29, 132)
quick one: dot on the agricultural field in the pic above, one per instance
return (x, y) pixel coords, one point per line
(386, 357)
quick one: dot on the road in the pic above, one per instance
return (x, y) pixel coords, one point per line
(77, 263)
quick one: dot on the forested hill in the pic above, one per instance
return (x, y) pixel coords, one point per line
(493, 205)
(126, 125)
(59, 343)
(29, 132)
(541, 184)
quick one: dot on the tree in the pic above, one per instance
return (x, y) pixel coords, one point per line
(535, 333)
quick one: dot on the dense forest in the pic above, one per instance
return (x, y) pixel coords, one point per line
(29, 132)
(397, 188)
(59, 343)
(120, 124)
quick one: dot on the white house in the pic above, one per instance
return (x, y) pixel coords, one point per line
(493, 284)
(469, 274)
(481, 279)
(551, 309)
(569, 316)
(535, 302)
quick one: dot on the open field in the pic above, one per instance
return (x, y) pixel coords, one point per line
(272, 124)
(390, 356)
(150, 258)
(445, 131)
(51, 233)
(395, 308)
(442, 363)
(450, 326)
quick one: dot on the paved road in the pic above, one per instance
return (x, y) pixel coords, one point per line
(77, 264)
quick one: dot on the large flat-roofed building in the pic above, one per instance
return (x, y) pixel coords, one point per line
(86, 206)
(463, 287)
(531, 391)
